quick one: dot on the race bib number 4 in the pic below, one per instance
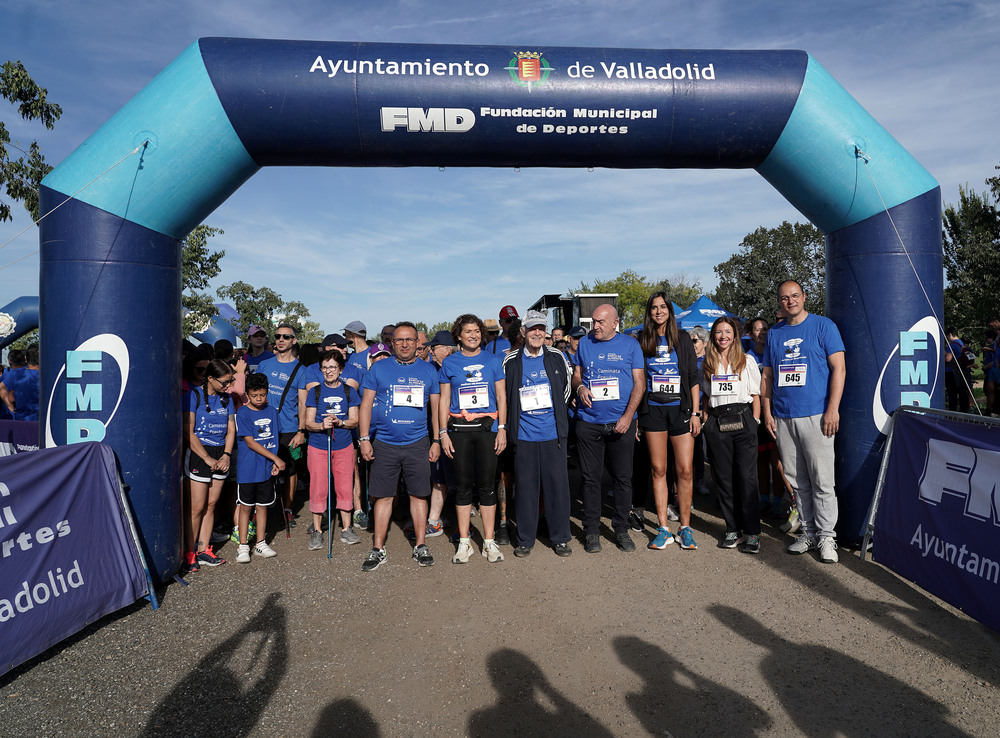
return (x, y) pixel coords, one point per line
(536, 397)
(792, 375)
(724, 384)
(475, 397)
(669, 383)
(403, 395)
(604, 389)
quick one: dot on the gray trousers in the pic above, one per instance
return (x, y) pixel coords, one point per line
(807, 458)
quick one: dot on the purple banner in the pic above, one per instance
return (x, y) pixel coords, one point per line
(18, 436)
(67, 553)
(938, 521)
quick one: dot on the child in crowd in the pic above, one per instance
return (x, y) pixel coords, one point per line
(257, 465)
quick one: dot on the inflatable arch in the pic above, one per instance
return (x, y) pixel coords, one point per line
(110, 257)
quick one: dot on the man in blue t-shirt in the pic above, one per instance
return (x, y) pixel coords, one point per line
(801, 385)
(501, 344)
(609, 380)
(396, 438)
(21, 387)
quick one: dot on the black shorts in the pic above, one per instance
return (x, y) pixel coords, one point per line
(392, 460)
(195, 467)
(256, 493)
(665, 418)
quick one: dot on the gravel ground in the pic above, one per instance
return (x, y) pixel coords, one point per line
(709, 642)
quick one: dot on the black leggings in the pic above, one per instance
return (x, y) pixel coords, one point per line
(475, 465)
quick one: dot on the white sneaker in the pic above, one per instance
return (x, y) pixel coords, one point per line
(492, 551)
(243, 554)
(672, 513)
(262, 549)
(793, 524)
(464, 552)
(802, 544)
(828, 550)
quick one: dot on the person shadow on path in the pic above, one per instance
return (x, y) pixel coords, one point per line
(226, 693)
(828, 693)
(676, 701)
(346, 717)
(528, 703)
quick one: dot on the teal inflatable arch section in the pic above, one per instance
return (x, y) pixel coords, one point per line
(110, 257)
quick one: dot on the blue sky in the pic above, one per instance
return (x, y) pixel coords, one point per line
(383, 245)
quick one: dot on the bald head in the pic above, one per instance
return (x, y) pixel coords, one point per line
(605, 319)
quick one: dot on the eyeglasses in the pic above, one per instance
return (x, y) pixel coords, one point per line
(788, 298)
(284, 336)
(404, 340)
(326, 369)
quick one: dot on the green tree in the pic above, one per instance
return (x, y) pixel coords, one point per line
(22, 176)
(749, 279)
(199, 265)
(633, 291)
(972, 258)
(264, 307)
(444, 325)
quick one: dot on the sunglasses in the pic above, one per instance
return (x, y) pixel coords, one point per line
(225, 382)
(283, 337)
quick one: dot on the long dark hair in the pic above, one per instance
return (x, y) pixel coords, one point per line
(648, 339)
(468, 319)
(217, 369)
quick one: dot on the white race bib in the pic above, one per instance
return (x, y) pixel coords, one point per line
(668, 383)
(473, 397)
(536, 397)
(792, 375)
(725, 384)
(604, 389)
(404, 395)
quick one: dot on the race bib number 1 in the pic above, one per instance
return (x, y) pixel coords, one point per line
(403, 395)
(536, 397)
(604, 389)
(475, 397)
(792, 375)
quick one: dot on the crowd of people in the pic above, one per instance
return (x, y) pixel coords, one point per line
(485, 419)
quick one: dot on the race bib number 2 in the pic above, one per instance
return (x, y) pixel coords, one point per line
(604, 389)
(403, 395)
(792, 375)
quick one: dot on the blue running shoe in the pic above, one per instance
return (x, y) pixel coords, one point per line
(686, 539)
(662, 540)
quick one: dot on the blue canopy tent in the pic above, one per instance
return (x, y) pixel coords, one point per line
(702, 312)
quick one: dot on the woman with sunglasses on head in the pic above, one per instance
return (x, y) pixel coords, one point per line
(731, 382)
(670, 414)
(210, 431)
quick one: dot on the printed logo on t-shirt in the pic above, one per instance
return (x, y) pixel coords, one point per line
(264, 431)
(792, 349)
(474, 372)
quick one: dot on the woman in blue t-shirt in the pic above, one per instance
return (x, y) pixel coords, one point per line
(473, 397)
(210, 430)
(670, 411)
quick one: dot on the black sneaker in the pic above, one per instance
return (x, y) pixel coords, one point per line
(637, 519)
(375, 558)
(624, 541)
(750, 545)
(563, 549)
(522, 552)
(592, 544)
(422, 555)
(501, 536)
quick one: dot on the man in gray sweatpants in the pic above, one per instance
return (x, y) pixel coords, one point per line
(801, 385)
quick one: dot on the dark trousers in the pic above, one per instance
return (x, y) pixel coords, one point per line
(597, 446)
(955, 390)
(734, 459)
(475, 466)
(541, 465)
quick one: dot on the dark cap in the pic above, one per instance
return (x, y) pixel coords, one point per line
(441, 338)
(577, 331)
(335, 339)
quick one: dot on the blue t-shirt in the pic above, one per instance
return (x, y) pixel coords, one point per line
(254, 361)
(262, 426)
(662, 371)
(498, 346)
(955, 349)
(24, 384)
(314, 374)
(539, 424)
(797, 356)
(359, 360)
(752, 353)
(402, 399)
(278, 373)
(332, 401)
(473, 382)
(607, 370)
(210, 424)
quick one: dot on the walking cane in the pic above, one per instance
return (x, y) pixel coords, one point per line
(329, 493)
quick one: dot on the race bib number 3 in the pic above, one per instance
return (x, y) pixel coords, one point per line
(536, 397)
(403, 395)
(604, 389)
(792, 375)
(475, 397)
(669, 383)
(724, 384)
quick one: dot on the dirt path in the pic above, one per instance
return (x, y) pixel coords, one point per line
(707, 643)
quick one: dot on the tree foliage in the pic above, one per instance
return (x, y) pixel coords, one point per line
(21, 176)
(634, 290)
(264, 307)
(972, 258)
(749, 279)
(199, 265)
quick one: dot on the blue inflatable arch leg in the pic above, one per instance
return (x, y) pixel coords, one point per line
(110, 258)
